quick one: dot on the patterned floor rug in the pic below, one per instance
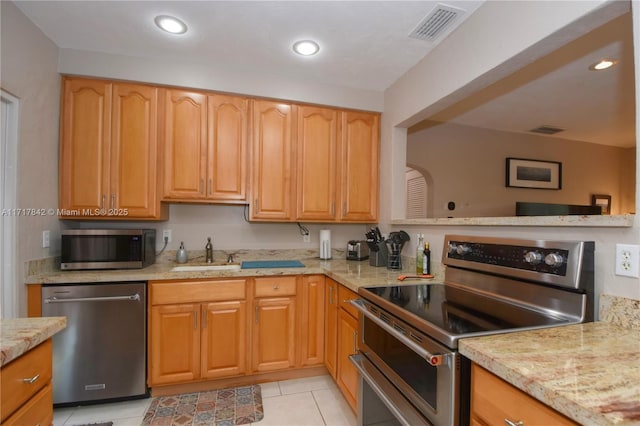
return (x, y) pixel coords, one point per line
(223, 407)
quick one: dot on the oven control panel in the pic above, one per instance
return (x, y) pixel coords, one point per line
(547, 260)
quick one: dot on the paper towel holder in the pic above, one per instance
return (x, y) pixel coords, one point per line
(325, 244)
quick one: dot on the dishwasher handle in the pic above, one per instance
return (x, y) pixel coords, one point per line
(54, 299)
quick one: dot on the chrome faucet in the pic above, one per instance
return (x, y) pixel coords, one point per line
(209, 251)
(230, 258)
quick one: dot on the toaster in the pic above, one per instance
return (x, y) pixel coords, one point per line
(357, 250)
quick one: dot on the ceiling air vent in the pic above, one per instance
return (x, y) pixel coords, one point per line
(436, 23)
(547, 130)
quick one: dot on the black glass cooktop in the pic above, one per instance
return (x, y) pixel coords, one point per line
(450, 311)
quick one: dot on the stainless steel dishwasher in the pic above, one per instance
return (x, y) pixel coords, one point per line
(101, 354)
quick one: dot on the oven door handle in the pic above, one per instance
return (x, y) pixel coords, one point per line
(433, 359)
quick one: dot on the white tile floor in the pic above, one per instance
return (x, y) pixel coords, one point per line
(312, 401)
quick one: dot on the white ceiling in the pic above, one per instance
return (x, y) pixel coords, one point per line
(364, 44)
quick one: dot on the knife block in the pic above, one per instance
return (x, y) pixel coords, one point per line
(379, 257)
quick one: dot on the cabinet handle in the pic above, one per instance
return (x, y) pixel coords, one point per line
(333, 209)
(204, 319)
(210, 186)
(257, 205)
(195, 319)
(355, 342)
(276, 287)
(257, 315)
(31, 380)
(344, 209)
(113, 201)
(331, 295)
(512, 423)
(104, 197)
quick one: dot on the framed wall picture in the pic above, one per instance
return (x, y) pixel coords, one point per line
(602, 201)
(524, 173)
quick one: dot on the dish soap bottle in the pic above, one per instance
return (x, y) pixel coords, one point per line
(420, 255)
(426, 259)
(181, 254)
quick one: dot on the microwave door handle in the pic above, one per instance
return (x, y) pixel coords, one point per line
(133, 297)
(433, 359)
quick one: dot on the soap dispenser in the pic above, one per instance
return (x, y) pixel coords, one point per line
(208, 248)
(181, 254)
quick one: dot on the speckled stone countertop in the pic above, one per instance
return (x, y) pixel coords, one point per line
(588, 372)
(20, 335)
(350, 273)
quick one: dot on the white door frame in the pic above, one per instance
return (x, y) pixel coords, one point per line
(8, 191)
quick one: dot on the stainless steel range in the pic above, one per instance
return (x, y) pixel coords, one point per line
(410, 370)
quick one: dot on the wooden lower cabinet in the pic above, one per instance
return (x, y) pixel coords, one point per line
(311, 338)
(274, 334)
(331, 327)
(199, 340)
(22, 401)
(494, 402)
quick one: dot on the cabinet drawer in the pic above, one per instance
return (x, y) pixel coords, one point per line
(35, 365)
(37, 411)
(493, 401)
(275, 286)
(169, 292)
(344, 296)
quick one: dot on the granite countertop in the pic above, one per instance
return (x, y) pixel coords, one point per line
(20, 335)
(350, 273)
(588, 372)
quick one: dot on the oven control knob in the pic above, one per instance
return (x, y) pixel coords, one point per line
(461, 249)
(554, 259)
(533, 257)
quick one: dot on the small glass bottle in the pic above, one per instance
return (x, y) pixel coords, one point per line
(420, 255)
(426, 259)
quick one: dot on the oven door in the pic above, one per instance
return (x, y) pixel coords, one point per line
(427, 374)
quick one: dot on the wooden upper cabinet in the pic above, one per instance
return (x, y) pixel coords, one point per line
(273, 168)
(227, 149)
(108, 150)
(185, 145)
(360, 136)
(134, 149)
(85, 144)
(317, 163)
(205, 147)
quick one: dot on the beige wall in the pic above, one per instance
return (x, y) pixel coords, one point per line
(29, 71)
(467, 166)
(493, 39)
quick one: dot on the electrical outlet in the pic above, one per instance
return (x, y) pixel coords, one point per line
(166, 234)
(306, 238)
(628, 260)
(46, 239)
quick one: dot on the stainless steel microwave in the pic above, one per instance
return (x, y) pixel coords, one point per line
(107, 248)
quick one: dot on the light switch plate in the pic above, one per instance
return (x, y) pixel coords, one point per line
(628, 260)
(46, 239)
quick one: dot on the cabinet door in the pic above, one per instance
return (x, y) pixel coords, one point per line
(185, 145)
(347, 345)
(272, 172)
(84, 147)
(224, 339)
(227, 150)
(360, 141)
(175, 343)
(316, 166)
(134, 150)
(311, 323)
(331, 327)
(274, 334)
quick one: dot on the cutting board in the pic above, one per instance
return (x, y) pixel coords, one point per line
(254, 264)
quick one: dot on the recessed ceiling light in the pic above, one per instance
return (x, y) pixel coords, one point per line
(170, 24)
(603, 65)
(306, 47)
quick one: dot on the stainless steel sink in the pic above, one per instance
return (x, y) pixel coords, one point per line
(210, 267)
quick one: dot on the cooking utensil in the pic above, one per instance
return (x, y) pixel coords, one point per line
(407, 276)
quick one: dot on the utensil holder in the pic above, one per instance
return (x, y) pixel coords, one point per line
(395, 258)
